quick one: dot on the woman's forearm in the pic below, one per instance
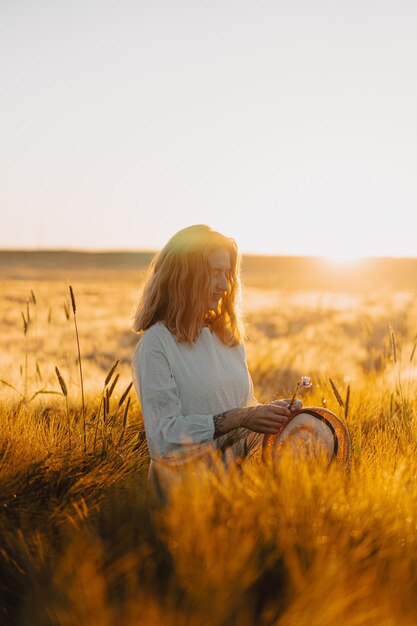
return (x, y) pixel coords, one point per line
(262, 418)
(231, 419)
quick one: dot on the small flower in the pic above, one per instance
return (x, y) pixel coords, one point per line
(304, 382)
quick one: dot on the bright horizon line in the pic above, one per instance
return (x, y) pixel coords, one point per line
(336, 258)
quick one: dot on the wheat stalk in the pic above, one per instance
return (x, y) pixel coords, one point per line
(393, 343)
(126, 411)
(113, 385)
(336, 393)
(347, 402)
(124, 394)
(111, 372)
(106, 411)
(106, 382)
(66, 311)
(74, 311)
(120, 404)
(4, 382)
(26, 322)
(65, 393)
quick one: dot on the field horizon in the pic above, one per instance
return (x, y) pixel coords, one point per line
(303, 273)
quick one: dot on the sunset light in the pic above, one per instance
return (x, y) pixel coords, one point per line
(208, 297)
(344, 259)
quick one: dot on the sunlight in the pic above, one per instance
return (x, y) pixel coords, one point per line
(344, 259)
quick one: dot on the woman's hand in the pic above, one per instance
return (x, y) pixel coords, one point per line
(268, 419)
(296, 405)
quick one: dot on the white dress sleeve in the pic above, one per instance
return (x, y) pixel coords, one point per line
(252, 401)
(170, 434)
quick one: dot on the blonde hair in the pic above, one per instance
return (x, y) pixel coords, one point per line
(177, 285)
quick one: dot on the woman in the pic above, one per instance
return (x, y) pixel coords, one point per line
(189, 367)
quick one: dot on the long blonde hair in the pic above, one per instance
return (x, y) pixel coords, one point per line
(177, 285)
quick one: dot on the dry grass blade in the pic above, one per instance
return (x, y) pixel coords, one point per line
(111, 372)
(27, 311)
(25, 323)
(44, 391)
(65, 392)
(125, 393)
(4, 382)
(125, 414)
(61, 382)
(74, 308)
(336, 393)
(347, 399)
(393, 343)
(113, 385)
(126, 411)
(106, 411)
(66, 311)
(32, 295)
(412, 352)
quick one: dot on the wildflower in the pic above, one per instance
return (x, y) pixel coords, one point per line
(303, 383)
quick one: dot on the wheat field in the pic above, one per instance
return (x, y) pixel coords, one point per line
(296, 545)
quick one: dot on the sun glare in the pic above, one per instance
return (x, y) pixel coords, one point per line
(344, 259)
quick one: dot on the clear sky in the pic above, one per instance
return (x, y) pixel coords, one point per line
(290, 125)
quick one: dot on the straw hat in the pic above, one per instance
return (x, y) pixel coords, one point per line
(311, 431)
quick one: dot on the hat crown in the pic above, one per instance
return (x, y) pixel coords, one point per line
(311, 431)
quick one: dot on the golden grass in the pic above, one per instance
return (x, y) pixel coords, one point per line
(299, 545)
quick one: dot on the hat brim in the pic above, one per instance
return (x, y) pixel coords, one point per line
(311, 430)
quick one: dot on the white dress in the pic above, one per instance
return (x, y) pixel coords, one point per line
(181, 388)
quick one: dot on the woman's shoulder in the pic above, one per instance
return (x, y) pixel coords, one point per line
(154, 339)
(157, 335)
(156, 330)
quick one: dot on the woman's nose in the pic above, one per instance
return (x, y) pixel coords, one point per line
(223, 283)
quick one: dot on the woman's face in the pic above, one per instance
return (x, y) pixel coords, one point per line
(220, 265)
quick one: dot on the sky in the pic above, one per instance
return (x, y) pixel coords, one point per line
(289, 125)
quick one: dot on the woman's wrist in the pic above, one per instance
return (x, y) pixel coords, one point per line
(227, 421)
(233, 418)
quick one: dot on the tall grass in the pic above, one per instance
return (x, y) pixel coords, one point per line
(82, 542)
(298, 545)
(65, 394)
(74, 312)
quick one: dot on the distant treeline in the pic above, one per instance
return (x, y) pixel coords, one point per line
(267, 272)
(69, 258)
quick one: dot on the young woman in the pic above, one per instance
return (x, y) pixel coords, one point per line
(189, 367)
